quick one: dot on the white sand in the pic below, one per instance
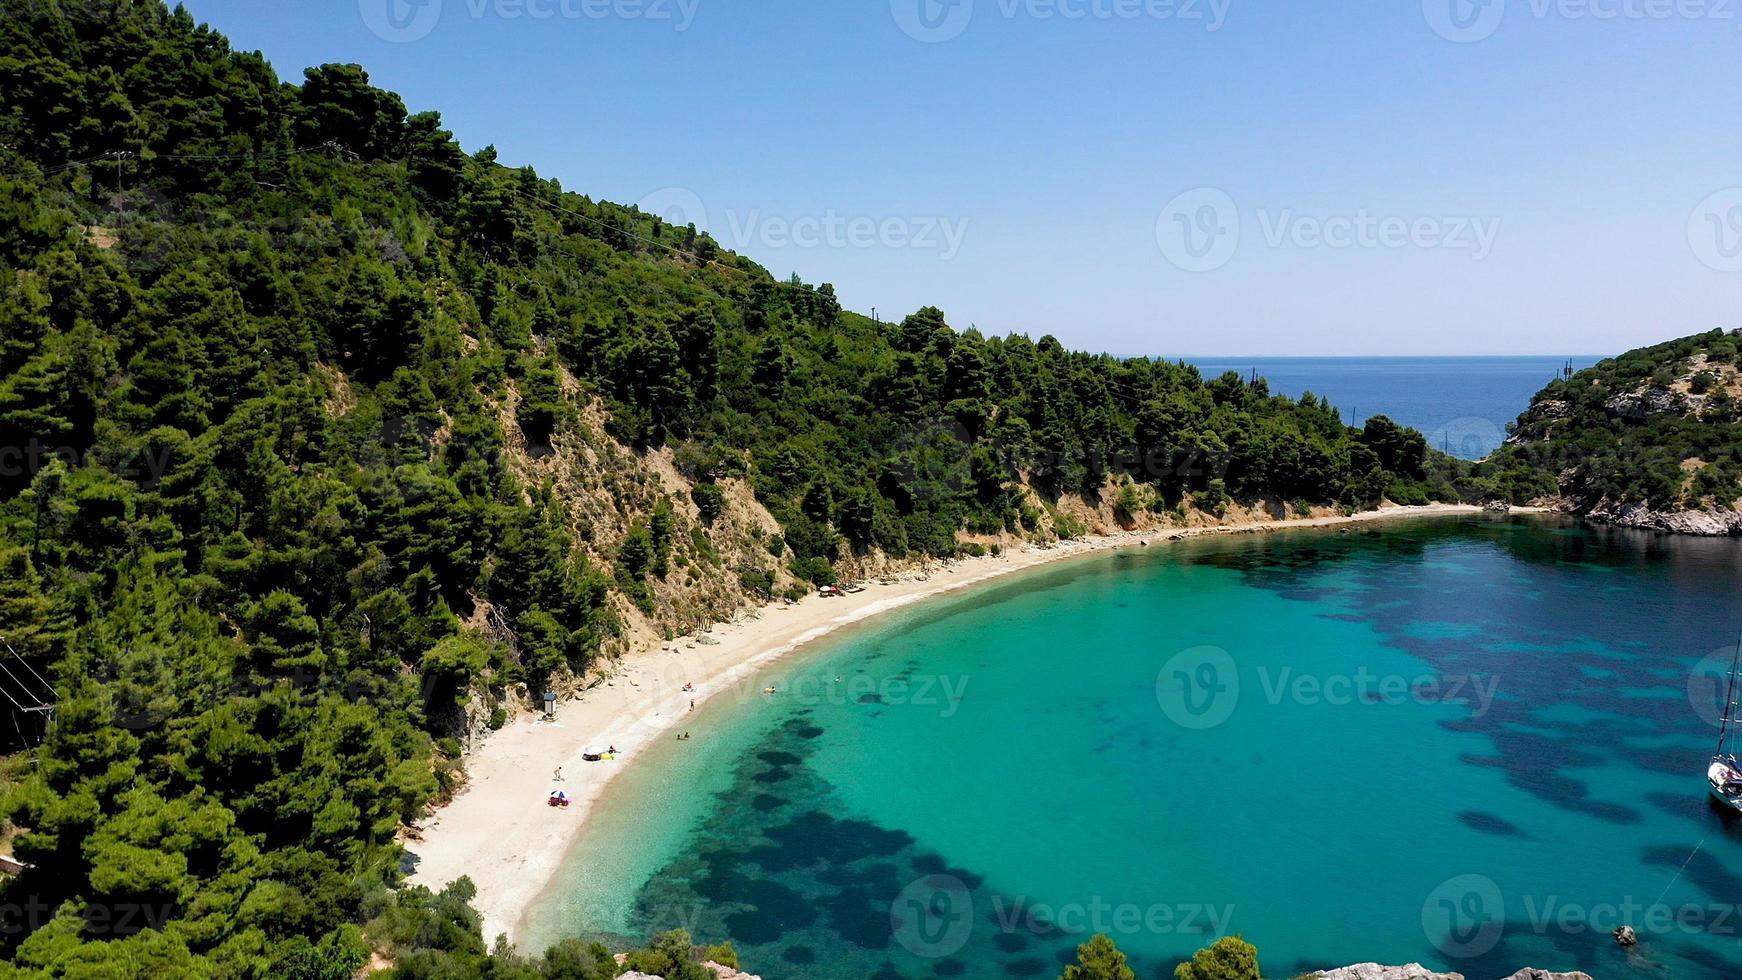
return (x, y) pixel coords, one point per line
(499, 829)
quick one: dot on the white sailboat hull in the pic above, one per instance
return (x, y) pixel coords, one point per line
(1726, 785)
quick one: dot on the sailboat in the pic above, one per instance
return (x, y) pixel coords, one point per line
(1725, 773)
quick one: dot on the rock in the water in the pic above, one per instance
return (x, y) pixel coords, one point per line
(1534, 974)
(1626, 936)
(1373, 971)
(1497, 507)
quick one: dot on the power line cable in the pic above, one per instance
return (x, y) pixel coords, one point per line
(20, 658)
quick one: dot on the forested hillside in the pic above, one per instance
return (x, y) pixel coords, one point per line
(1650, 438)
(315, 427)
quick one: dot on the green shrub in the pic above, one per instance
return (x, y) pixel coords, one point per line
(710, 500)
(1098, 959)
(722, 954)
(1231, 958)
(757, 582)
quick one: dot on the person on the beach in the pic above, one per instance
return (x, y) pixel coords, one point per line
(559, 774)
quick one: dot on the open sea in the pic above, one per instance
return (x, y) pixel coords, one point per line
(1476, 743)
(1462, 404)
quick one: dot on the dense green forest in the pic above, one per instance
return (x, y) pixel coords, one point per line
(1655, 427)
(265, 350)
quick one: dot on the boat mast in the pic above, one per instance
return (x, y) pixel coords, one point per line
(1730, 701)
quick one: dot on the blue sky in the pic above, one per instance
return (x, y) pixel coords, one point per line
(1236, 177)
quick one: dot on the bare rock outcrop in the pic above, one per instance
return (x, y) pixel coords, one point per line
(1374, 971)
(722, 972)
(1637, 406)
(1415, 971)
(1710, 523)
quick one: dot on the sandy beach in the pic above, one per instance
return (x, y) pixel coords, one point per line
(499, 830)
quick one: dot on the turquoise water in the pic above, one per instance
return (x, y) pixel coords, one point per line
(1469, 743)
(1462, 404)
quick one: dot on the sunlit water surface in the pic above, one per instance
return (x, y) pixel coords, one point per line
(1469, 743)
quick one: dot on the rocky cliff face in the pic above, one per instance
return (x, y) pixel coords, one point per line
(1647, 440)
(722, 972)
(1415, 971)
(1711, 522)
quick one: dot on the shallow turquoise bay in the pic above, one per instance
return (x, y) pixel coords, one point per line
(1470, 743)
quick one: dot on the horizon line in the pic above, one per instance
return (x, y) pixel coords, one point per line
(1370, 357)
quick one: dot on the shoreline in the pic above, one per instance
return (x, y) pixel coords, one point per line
(499, 830)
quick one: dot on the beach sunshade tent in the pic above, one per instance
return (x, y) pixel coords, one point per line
(593, 753)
